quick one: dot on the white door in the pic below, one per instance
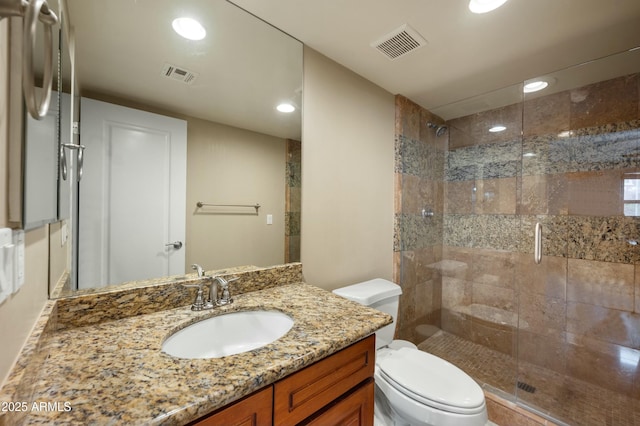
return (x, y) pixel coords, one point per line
(132, 197)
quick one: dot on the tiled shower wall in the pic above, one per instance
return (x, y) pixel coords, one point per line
(562, 161)
(419, 171)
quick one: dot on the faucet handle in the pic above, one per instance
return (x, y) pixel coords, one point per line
(226, 295)
(198, 304)
(225, 282)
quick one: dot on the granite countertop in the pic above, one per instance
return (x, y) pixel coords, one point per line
(113, 372)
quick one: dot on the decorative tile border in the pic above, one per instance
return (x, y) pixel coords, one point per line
(608, 147)
(418, 158)
(487, 161)
(606, 239)
(414, 231)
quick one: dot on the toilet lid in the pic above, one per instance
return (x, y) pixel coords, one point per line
(431, 380)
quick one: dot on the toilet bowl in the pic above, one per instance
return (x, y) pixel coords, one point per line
(414, 387)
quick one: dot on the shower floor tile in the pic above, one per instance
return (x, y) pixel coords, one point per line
(564, 398)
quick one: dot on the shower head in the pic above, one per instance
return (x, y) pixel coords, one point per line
(440, 129)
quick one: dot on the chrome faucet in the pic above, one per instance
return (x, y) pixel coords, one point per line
(213, 292)
(200, 304)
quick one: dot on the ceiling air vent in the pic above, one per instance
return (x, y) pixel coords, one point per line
(178, 73)
(399, 42)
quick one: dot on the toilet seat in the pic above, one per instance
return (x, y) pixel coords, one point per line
(431, 381)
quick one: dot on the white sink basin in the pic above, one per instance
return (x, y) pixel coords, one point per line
(228, 334)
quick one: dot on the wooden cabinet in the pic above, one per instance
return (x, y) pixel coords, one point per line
(305, 392)
(337, 390)
(253, 410)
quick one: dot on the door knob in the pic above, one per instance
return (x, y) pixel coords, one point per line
(176, 245)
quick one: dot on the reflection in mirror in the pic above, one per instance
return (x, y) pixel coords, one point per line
(168, 122)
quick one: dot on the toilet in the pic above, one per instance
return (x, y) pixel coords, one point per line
(414, 387)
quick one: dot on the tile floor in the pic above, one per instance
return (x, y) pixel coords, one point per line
(566, 399)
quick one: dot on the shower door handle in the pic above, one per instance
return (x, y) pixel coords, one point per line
(537, 251)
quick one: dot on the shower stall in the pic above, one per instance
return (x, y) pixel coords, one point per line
(527, 273)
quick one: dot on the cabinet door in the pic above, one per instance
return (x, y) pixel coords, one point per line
(254, 410)
(356, 409)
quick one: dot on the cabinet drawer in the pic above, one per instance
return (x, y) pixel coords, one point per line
(354, 409)
(307, 391)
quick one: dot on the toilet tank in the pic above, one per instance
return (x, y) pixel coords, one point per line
(379, 294)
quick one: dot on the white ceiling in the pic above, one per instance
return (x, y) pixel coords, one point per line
(466, 54)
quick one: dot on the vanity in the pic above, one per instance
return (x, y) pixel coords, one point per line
(97, 359)
(335, 390)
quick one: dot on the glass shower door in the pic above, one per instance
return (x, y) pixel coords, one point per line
(579, 316)
(481, 238)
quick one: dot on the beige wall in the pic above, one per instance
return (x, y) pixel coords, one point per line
(227, 165)
(19, 312)
(347, 176)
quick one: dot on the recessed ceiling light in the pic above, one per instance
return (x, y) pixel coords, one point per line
(484, 6)
(285, 107)
(189, 28)
(497, 128)
(534, 86)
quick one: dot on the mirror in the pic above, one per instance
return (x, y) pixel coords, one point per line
(240, 150)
